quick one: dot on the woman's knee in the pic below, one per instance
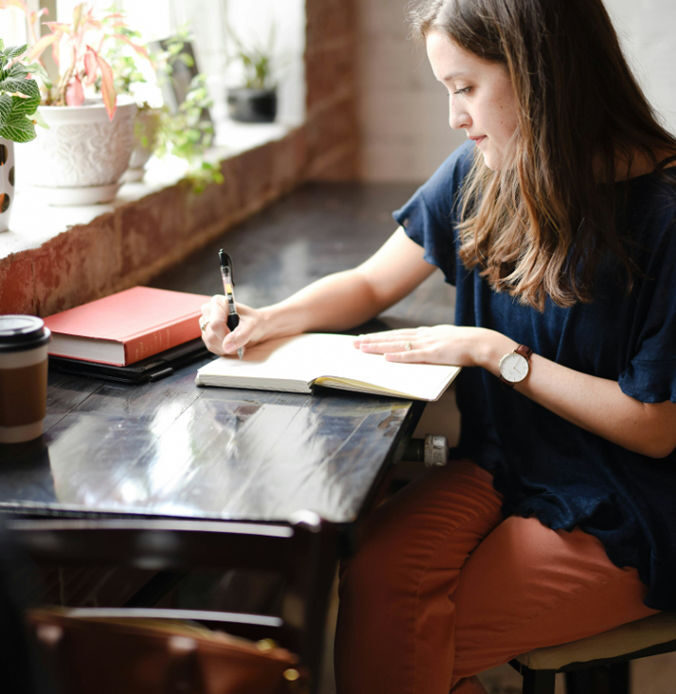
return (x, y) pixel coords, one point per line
(432, 525)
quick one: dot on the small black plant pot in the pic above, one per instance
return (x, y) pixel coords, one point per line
(252, 105)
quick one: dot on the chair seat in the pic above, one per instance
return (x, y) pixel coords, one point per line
(642, 635)
(155, 656)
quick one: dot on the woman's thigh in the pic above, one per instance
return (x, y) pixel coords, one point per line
(527, 586)
(396, 615)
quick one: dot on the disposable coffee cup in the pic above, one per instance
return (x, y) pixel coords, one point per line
(23, 377)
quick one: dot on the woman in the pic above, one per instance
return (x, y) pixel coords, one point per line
(556, 225)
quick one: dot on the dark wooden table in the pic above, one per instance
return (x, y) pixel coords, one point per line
(169, 449)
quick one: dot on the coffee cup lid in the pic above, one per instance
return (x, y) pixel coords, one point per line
(19, 332)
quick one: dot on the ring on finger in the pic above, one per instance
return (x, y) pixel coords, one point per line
(408, 346)
(204, 324)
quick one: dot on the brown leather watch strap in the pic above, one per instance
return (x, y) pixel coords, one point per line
(524, 351)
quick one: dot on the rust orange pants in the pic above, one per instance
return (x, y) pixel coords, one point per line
(443, 587)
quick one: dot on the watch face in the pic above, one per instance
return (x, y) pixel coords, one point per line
(513, 367)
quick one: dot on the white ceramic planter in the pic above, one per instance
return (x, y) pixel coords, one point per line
(80, 158)
(6, 181)
(146, 125)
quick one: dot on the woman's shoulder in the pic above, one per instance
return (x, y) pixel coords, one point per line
(457, 165)
(654, 192)
(441, 190)
(656, 171)
(651, 181)
(647, 216)
(439, 194)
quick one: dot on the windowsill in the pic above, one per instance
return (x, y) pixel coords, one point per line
(33, 222)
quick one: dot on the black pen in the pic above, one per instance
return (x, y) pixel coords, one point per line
(226, 276)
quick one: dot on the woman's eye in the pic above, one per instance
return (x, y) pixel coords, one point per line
(464, 90)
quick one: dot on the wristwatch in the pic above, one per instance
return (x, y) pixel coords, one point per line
(514, 366)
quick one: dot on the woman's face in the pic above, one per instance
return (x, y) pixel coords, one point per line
(481, 98)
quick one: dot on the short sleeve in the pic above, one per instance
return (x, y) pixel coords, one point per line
(651, 373)
(431, 214)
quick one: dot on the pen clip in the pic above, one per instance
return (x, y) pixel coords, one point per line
(226, 268)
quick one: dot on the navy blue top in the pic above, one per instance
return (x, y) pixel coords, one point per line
(543, 465)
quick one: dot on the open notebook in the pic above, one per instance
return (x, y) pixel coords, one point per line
(296, 364)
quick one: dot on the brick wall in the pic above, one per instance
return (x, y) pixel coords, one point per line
(403, 110)
(139, 239)
(331, 83)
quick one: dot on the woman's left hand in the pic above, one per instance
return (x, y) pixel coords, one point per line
(438, 344)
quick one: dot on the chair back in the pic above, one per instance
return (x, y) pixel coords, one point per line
(301, 555)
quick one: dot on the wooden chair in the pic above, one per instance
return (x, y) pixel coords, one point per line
(301, 554)
(598, 664)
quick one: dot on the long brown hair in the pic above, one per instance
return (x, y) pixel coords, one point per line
(539, 226)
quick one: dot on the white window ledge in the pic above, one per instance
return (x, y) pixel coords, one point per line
(33, 222)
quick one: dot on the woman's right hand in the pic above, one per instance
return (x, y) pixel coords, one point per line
(215, 333)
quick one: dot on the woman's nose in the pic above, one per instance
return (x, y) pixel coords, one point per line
(457, 115)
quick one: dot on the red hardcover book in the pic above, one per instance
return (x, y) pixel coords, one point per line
(125, 327)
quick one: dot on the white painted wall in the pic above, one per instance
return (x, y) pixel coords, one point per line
(403, 110)
(647, 30)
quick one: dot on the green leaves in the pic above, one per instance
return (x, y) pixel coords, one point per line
(256, 60)
(18, 131)
(257, 69)
(19, 95)
(188, 134)
(15, 51)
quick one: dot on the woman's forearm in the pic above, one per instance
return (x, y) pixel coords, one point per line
(595, 404)
(592, 403)
(336, 302)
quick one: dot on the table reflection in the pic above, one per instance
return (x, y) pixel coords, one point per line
(209, 452)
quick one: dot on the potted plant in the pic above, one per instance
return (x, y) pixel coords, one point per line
(186, 130)
(182, 128)
(187, 135)
(134, 75)
(254, 99)
(19, 99)
(82, 155)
